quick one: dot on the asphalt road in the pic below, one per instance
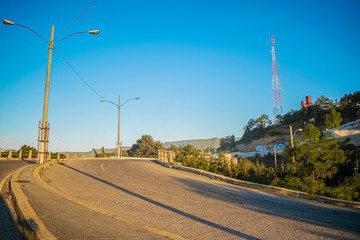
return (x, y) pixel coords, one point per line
(8, 229)
(8, 166)
(193, 206)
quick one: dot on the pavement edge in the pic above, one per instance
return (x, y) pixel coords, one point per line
(32, 226)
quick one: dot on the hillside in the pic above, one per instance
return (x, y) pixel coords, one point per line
(200, 144)
(266, 136)
(258, 132)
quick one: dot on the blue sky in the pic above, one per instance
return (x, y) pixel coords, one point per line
(202, 69)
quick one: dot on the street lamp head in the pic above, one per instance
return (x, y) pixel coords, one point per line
(102, 100)
(300, 129)
(94, 31)
(7, 22)
(137, 98)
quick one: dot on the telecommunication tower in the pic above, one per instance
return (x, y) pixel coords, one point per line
(277, 108)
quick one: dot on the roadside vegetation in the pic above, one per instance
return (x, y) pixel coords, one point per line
(322, 166)
(316, 165)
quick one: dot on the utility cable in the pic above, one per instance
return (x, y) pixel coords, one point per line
(76, 19)
(32, 31)
(81, 78)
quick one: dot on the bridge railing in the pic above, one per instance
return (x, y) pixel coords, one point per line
(13, 154)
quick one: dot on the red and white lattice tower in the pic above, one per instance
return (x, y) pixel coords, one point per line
(277, 108)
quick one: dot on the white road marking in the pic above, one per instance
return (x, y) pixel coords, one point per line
(102, 166)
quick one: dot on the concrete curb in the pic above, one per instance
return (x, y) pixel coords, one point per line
(32, 226)
(266, 188)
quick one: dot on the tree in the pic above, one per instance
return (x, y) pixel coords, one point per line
(209, 150)
(220, 165)
(262, 121)
(227, 143)
(349, 106)
(333, 120)
(125, 153)
(146, 147)
(96, 154)
(172, 148)
(191, 157)
(317, 161)
(321, 159)
(26, 148)
(250, 125)
(103, 153)
(347, 168)
(311, 133)
(349, 99)
(324, 103)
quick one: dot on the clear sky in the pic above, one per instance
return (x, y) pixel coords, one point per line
(201, 68)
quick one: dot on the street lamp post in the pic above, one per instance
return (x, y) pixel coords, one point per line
(118, 141)
(275, 158)
(275, 162)
(46, 101)
(44, 124)
(292, 140)
(119, 108)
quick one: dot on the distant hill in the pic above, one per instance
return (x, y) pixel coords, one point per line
(200, 144)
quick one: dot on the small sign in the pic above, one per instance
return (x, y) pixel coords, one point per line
(261, 150)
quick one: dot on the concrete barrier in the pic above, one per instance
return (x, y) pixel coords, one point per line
(263, 187)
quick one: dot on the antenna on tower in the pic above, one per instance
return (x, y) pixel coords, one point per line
(277, 108)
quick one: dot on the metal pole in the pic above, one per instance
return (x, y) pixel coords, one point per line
(118, 146)
(121, 149)
(39, 134)
(292, 143)
(209, 149)
(275, 158)
(291, 136)
(46, 98)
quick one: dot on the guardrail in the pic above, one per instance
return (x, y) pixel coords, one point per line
(12, 154)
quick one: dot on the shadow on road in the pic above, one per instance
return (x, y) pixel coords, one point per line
(172, 209)
(280, 206)
(8, 229)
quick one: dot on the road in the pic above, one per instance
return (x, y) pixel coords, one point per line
(8, 166)
(8, 229)
(182, 204)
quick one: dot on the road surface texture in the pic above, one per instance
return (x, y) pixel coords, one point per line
(8, 229)
(68, 220)
(144, 198)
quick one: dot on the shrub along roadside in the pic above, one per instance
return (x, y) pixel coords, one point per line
(322, 166)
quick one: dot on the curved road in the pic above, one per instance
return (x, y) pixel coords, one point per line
(196, 207)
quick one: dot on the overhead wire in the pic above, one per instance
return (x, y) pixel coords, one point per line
(81, 78)
(32, 31)
(68, 63)
(76, 19)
